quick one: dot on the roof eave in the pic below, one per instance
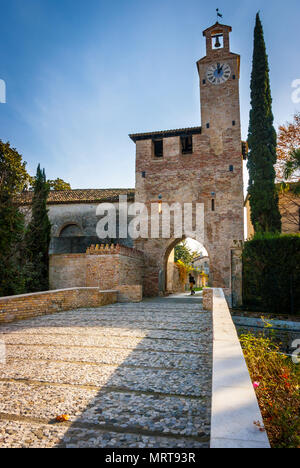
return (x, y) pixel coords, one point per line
(165, 134)
(215, 26)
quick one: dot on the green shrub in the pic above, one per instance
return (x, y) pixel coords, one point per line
(271, 273)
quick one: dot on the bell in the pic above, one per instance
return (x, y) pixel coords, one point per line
(217, 43)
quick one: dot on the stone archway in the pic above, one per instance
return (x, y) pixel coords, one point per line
(225, 266)
(171, 277)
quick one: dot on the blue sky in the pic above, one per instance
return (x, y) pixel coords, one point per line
(83, 74)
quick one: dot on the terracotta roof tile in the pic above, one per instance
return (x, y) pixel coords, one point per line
(79, 196)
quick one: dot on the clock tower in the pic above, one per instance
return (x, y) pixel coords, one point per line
(219, 73)
(200, 166)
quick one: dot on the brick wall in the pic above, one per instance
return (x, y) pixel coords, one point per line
(68, 271)
(102, 271)
(130, 293)
(104, 268)
(26, 306)
(130, 270)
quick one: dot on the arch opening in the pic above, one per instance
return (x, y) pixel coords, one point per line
(184, 257)
(71, 230)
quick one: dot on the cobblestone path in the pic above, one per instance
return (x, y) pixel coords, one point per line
(133, 375)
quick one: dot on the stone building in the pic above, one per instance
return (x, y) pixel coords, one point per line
(289, 207)
(200, 165)
(201, 263)
(73, 218)
(201, 270)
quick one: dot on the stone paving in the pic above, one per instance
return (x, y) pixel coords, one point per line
(128, 375)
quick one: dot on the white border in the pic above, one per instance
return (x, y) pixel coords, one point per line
(234, 404)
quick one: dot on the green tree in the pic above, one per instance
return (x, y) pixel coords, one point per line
(13, 175)
(262, 141)
(292, 166)
(13, 179)
(38, 236)
(59, 185)
(55, 185)
(184, 253)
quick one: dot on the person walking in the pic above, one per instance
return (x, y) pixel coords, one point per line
(192, 284)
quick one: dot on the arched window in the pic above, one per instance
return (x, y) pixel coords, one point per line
(71, 230)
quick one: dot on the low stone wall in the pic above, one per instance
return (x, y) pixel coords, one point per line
(284, 333)
(26, 306)
(234, 404)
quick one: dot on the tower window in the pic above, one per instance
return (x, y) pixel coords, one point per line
(233, 122)
(144, 175)
(186, 144)
(231, 168)
(204, 81)
(160, 207)
(207, 125)
(213, 205)
(233, 77)
(158, 148)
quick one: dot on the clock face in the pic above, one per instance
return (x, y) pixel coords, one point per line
(218, 73)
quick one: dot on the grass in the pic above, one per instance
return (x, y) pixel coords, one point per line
(278, 380)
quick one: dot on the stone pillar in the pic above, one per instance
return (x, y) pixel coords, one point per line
(208, 299)
(161, 282)
(237, 274)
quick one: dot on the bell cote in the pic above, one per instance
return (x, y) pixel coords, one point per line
(217, 40)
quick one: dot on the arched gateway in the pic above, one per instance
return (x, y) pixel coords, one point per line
(200, 165)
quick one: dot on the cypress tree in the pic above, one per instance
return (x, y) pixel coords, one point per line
(262, 141)
(38, 237)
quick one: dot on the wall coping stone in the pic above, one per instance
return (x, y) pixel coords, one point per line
(41, 293)
(70, 255)
(283, 325)
(234, 403)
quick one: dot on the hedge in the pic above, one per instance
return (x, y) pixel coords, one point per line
(271, 274)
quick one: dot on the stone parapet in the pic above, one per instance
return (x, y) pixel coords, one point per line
(207, 299)
(234, 404)
(111, 249)
(25, 306)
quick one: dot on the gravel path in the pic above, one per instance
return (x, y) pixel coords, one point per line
(128, 375)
